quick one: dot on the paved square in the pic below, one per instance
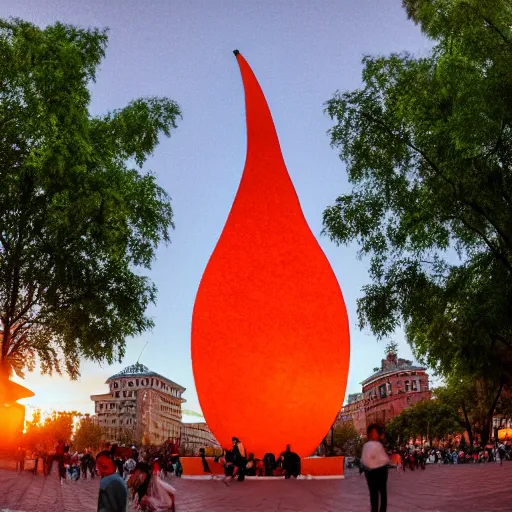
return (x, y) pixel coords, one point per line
(472, 488)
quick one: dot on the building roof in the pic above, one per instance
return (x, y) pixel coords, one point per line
(396, 369)
(102, 396)
(139, 370)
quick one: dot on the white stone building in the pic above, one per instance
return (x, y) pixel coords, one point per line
(140, 405)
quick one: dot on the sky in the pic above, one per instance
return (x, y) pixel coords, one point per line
(302, 52)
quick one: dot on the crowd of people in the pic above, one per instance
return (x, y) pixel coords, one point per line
(237, 464)
(125, 472)
(415, 457)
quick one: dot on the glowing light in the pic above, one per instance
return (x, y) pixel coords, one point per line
(270, 336)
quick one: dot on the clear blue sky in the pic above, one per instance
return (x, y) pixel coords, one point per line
(301, 52)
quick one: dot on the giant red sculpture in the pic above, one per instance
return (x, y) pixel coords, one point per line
(270, 335)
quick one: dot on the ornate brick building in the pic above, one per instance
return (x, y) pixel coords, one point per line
(195, 436)
(141, 404)
(385, 394)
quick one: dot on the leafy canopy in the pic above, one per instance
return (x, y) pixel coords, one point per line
(79, 219)
(43, 434)
(88, 435)
(428, 419)
(427, 144)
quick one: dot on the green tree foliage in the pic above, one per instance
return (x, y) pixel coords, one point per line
(44, 434)
(392, 348)
(427, 144)
(475, 402)
(88, 435)
(79, 219)
(346, 439)
(428, 420)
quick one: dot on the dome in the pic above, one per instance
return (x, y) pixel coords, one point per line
(140, 370)
(135, 370)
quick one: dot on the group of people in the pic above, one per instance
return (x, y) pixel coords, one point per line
(148, 491)
(481, 454)
(71, 465)
(375, 461)
(237, 464)
(127, 474)
(415, 457)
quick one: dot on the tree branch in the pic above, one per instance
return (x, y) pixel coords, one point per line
(489, 22)
(28, 304)
(457, 193)
(497, 253)
(495, 401)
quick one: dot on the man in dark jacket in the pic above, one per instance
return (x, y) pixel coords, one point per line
(113, 494)
(291, 463)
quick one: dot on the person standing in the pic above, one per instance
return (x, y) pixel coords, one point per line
(113, 495)
(240, 457)
(206, 467)
(502, 452)
(59, 456)
(20, 460)
(375, 462)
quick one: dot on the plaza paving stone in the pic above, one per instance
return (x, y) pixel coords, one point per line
(482, 488)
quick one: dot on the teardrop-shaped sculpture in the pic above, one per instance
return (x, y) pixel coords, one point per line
(270, 336)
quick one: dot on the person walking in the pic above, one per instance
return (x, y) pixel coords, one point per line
(20, 460)
(113, 495)
(502, 452)
(60, 451)
(375, 460)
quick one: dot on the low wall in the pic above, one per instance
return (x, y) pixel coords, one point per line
(193, 466)
(323, 466)
(315, 466)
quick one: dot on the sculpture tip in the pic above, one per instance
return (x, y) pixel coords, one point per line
(236, 52)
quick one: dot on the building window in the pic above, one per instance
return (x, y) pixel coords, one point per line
(130, 383)
(101, 406)
(382, 391)
(389, 388)
(406, 382)
(414, 385)
(117, 394)
(137, 381)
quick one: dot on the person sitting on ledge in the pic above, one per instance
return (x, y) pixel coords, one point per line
(291, 463)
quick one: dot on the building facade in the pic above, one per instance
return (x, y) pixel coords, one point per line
(144, 406)
(385, 394)
(354, 411)
(140, 405)
(195, 436)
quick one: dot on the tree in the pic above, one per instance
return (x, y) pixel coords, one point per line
(428, 148)
(88, 435)
(392, 347)
(475, 402)
(428, 420)
(44, 434)
(127, 437)
(79, 220)
(346, 439)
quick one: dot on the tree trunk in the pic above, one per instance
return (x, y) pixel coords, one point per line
(490, 413)
(467, 424)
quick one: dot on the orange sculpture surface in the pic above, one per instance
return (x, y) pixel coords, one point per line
(270, 336)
